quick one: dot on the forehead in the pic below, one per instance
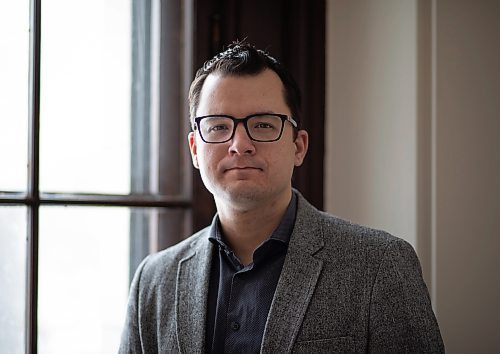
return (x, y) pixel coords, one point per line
(242, 94)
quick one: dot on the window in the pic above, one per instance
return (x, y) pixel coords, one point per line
(95, 170)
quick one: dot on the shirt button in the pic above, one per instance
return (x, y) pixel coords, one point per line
(235, 326)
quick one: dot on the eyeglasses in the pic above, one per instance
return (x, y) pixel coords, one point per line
(262, 127)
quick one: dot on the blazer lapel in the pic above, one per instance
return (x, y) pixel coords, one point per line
(191, 297)
(297, 282)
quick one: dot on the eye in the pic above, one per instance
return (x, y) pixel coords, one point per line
(217, 127)
(263, 125)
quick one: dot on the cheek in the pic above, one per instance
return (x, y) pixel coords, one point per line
(208, 158)
(283, 160)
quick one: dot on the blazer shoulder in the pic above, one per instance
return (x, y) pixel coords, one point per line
(333, 225)
(340, 235)
(349, 229)
(371, 247)
(163, 264)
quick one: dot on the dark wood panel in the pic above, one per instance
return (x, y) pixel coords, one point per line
(294, 32)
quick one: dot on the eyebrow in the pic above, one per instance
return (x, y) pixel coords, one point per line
(226, 114)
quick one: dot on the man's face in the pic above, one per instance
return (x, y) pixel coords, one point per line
(241, 171)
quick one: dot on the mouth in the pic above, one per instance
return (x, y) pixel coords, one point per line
(244, 168)
(242, 165)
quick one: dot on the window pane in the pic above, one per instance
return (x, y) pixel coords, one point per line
(87, 256)
(83, 278)
(12, 278)
(85, 96)
(14, 68)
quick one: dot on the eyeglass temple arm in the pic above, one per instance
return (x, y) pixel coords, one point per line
(291, 120)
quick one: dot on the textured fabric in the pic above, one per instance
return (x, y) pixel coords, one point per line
(343, 288)
(239, 297)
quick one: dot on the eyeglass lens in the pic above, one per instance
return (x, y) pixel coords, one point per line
(261, 128)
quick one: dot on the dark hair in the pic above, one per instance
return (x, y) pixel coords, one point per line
(244, 59)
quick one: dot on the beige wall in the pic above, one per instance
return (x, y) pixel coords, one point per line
(371, 105)
(468, 174)
(413, 144)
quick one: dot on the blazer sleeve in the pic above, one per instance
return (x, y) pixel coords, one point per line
(131, 339)
(401, 315)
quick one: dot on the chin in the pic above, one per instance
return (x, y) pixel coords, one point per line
(242, 192)
(246, 192)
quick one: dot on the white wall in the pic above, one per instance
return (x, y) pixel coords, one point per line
(413, 145)
(467, 176)
(371, 114)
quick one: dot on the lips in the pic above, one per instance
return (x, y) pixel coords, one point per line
(241, 166)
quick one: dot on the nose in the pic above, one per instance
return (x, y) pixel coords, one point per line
(241, 144)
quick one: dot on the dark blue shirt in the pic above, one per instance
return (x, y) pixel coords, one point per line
(239, 297)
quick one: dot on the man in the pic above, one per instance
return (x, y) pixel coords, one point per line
(271, 274)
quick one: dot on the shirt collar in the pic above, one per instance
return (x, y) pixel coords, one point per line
(282, 233)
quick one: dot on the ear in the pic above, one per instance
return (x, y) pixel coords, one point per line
(301, 145)
(193, 148)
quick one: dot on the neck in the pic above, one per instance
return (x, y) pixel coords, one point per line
(245, 229)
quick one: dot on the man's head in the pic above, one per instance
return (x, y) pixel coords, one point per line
(243, 59)
(247, 164)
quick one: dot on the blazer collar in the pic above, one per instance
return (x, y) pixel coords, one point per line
(191, 294)
(296, 285)
(297, 282)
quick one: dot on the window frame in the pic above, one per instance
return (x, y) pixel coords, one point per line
(173, 50)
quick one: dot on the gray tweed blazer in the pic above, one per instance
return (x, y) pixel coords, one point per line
(344, 288)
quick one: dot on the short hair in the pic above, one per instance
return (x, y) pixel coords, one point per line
(241, 59)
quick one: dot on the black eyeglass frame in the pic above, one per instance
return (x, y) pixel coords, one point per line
(236, 121)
